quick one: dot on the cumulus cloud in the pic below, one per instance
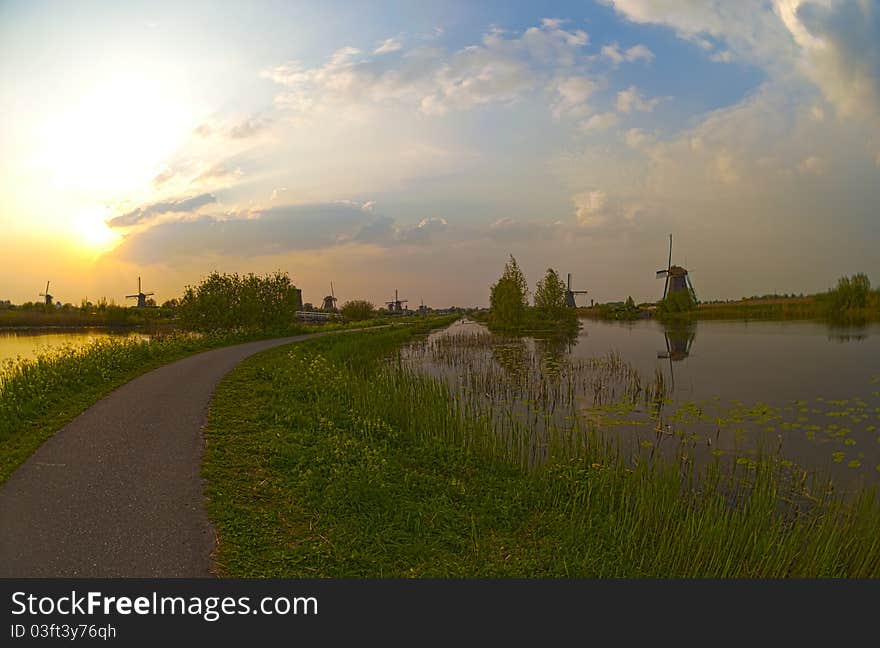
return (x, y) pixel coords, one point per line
(500, 69)
(617, 56)
(389, 45)
(841, 41)
(600, 122)
(272, 230)
(833, 43)
(572, 93)
(241, 129)
(631, 99)
(149, 212)
(812, 165)
(636, 138)
(591, 208)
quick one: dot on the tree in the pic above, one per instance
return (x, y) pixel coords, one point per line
(550, 294)
(357, 310)
(508, 298)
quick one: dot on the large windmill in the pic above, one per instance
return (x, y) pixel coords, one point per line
(46, 295)
(677, 279)
(396, 306)
(330, 301)
(141, 296)
(569, 294)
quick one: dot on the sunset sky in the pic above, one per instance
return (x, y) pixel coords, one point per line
(414, 145)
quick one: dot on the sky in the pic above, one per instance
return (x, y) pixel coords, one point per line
(414, 146)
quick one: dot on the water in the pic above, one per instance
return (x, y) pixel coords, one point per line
(28, 343)
(804, 392)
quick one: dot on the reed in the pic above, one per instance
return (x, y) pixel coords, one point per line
(336, 458)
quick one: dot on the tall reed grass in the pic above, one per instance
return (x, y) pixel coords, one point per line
(573, 506)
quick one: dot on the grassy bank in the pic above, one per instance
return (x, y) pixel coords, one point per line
(814, 307)
(39, 396)
(73, 317)
(326, 459)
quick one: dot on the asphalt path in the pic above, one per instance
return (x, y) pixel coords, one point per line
(118, 492)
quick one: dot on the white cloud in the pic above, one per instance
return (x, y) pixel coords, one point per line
(388, 45)
(835, 44)
(631, 99)
(635, 53)
(572, 92)
(812, 165)
(501, 69)
(599, 122)
(590, 208)
(636, 138)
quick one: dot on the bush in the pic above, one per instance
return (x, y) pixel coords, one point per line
(226, 301)
(358, 310)
(676, 302)
(850, 293)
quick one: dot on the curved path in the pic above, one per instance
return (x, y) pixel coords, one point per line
(117, 492)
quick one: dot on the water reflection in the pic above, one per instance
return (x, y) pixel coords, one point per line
(679, 339)
(754, 388)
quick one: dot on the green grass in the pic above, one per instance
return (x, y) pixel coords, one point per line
(328, 459)
(40, 396)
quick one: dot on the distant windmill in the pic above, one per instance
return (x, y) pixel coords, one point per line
(677, 279)
(46, 295)
(569, 294)
(396, 306)
(141, 296)
(330, 301)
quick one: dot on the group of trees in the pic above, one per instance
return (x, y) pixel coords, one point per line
(232, 300)
(509, 299)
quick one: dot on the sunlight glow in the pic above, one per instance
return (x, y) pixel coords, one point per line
(92, 231)
(114, 138)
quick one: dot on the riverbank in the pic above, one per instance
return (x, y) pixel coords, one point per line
(815, 307)
(326, 460)
(39, 396)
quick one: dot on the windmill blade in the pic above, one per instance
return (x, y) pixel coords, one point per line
(662, 273)
(148, 294)
(669, 264)
(47, 287)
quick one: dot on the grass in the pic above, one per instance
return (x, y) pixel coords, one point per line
(39, 396)
(329, 458)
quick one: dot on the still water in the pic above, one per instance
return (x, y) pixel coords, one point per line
(28, 344)
(805, 392)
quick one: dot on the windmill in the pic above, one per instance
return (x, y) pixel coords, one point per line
(330, 301)
(141, 296)
(569, 294)
(46, 295)
(396, 306)
(677, 279)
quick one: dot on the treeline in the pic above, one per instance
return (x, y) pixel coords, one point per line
(101, 313)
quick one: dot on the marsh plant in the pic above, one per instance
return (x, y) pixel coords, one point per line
(535, 396)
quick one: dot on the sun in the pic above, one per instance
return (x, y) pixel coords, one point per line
(92, 232)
